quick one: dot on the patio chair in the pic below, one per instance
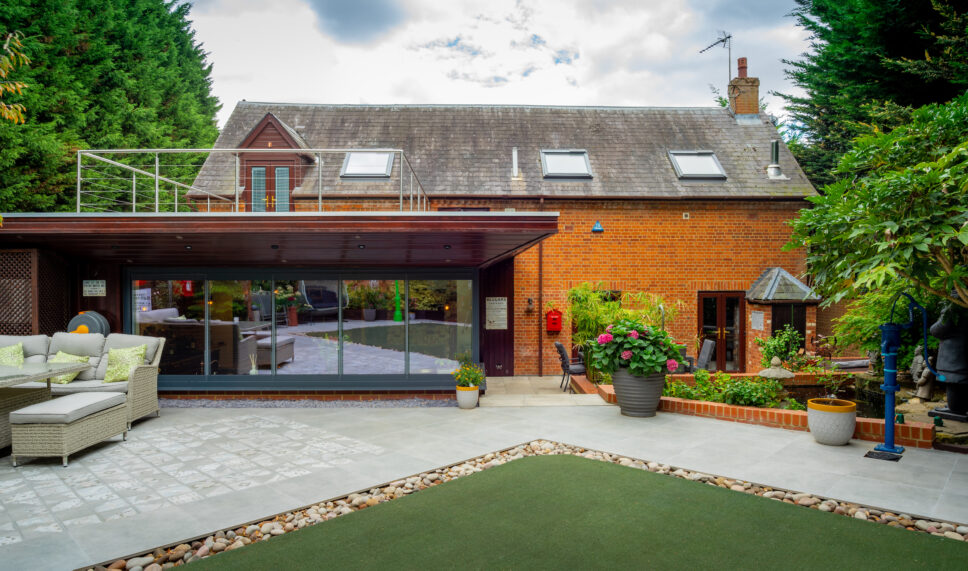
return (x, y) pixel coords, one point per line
(569, 366)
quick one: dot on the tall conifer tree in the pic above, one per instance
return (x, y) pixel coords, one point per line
(867, 52)
(103, 74)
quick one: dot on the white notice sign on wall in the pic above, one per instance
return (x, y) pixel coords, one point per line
(94, 288)
(756, 317)
(495, 313)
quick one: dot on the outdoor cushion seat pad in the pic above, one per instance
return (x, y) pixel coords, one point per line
(90, 344)
(66, 409)
(35, 346)
(280, 340)
(89, 387)
(77, 387)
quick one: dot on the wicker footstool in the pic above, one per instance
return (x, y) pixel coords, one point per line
(65, 425)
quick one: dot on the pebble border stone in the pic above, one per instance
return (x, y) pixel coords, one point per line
(266, 529)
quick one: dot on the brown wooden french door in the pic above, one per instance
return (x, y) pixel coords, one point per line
(269, 187)
(722, 318)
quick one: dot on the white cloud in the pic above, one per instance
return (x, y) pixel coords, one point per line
(541, 52)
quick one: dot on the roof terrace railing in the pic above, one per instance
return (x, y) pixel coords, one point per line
(222, 180)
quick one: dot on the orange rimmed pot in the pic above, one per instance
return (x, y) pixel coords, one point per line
(467, 396)
(831, 421)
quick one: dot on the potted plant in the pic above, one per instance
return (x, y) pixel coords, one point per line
(469, 377)
(832, 420)
(371, 300)
(637, 357)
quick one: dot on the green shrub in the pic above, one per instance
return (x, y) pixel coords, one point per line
(725, 389)
(783, 344)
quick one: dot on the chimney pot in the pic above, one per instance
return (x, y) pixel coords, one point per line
(741, 67)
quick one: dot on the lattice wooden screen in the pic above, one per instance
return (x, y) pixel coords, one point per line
(54, 308)
(16, 292)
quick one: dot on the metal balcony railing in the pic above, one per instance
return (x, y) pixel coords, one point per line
(221, 180)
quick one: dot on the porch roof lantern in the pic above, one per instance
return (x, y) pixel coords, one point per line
(776, 285)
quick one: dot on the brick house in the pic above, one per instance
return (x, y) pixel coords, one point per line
(687, 203)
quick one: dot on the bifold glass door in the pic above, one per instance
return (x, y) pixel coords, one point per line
(339, 328)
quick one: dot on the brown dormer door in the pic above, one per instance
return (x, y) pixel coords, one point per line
(270, 188)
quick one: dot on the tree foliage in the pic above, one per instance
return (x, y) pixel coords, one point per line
(11, 57)
(900, 212)
(104, 74)
(907, 52)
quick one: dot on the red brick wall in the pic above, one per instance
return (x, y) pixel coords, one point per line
(646, 246)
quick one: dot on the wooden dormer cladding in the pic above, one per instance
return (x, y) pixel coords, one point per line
(269, 179)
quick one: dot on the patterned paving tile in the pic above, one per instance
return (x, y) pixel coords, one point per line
(163, 467)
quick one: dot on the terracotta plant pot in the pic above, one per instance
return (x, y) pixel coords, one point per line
(292, 315)
(467, 397)
(831, 421)
(637, 396)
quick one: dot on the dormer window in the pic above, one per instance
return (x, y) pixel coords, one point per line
(566, 163)
(697, 164)
(365, 164)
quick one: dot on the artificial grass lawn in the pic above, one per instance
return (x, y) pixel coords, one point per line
(435, 339)
(568, 512)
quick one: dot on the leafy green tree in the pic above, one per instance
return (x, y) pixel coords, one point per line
(104, 74)
(12, 57)
(900, 212)
(866, 51)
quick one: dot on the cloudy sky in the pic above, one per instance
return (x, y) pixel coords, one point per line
(534, 52)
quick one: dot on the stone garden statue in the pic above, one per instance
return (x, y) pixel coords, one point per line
(952, 330)
(775, 371)
(921, 374)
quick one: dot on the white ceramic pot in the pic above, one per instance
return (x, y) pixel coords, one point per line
(831, 421)
(467, 397)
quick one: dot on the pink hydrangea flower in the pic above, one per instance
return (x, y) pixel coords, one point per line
(672, 365)
(634, 334)
(608, 329)
(604, 338)
(626, 355)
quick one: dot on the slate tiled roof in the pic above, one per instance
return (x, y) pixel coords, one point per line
(466, 150)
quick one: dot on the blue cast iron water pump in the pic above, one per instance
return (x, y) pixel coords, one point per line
(890, 343)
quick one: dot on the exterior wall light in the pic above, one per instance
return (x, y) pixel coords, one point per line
(598, 227)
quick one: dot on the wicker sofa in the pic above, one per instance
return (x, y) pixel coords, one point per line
(141, 388)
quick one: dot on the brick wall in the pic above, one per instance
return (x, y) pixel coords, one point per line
(646, 246)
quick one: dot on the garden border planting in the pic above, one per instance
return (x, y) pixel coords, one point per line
(914, 434)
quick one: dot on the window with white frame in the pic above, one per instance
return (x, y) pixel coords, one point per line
(697, 164)
(366, 164)
(565, 163)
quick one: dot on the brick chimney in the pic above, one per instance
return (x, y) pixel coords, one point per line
(744, 92)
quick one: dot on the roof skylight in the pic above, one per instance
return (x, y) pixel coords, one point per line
(568, 163)
(696, 164)
(365, 164)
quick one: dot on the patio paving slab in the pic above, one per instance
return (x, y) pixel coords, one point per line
(193, 471)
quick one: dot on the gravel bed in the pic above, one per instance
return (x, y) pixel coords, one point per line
(304, 403)
(280, 524)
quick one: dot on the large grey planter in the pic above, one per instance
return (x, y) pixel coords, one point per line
(637, 396)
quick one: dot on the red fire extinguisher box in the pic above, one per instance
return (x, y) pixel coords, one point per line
(553, 321)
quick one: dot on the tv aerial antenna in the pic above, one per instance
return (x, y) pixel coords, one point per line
(724, 39)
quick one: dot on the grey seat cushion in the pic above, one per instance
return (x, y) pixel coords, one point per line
(122, 341)
(266, 342)
(66, 409)
(35, 346)
(88, 387)
(90, 344)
